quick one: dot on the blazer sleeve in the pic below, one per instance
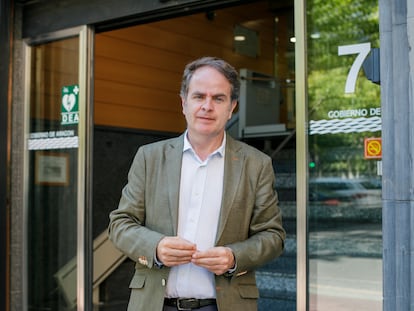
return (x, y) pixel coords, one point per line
(127, 223)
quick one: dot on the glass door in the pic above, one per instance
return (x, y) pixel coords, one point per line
(57, 257)
(345, 205)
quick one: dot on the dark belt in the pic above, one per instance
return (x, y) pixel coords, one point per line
(188, 303)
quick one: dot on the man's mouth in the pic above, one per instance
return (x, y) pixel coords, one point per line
(205, 118)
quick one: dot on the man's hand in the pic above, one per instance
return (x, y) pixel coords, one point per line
(218, 260)
(174, 251)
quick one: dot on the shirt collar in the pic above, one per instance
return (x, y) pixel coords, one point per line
(220, 150)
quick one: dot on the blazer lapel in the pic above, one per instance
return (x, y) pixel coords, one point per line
(233, 168)
(173, 155)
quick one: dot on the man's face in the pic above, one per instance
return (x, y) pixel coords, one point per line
(208, 105)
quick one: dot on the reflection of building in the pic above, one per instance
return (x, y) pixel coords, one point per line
(149, 41)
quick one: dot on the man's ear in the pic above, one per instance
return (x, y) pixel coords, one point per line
(233, 106)
(182, 103)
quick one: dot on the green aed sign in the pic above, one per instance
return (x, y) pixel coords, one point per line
(70, 106)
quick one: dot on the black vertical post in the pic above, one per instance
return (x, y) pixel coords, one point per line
(5, 38)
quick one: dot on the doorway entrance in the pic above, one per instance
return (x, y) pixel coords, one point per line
(137, 80)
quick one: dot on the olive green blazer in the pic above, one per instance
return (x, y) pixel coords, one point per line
(250, 220)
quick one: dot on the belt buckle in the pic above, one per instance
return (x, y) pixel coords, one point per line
(179, 307)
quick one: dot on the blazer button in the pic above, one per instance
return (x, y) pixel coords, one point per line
(163, 282)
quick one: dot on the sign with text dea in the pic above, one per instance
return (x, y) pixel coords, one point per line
(70, 106)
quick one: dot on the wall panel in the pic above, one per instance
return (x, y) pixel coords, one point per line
(138, 69)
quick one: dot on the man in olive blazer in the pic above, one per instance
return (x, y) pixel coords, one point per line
(250, 221)
(241, 227)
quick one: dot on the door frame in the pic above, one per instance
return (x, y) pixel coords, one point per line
(85, 146)
(301, 106)
(85, 243)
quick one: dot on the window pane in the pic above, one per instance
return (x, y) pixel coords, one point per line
(345, 233)
(53, 165)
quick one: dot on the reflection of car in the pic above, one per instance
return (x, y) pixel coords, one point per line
(335, 191)
(371, 183)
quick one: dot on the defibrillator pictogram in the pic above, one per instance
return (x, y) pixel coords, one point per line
(70, 105)
(372, 148)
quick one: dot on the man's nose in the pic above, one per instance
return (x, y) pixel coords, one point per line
(208, 103)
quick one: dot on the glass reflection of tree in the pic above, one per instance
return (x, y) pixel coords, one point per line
(331, 24)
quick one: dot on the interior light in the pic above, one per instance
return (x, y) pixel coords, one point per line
(293, 39)
(239, 38)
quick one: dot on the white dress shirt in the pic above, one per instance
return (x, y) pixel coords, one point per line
(201, 189)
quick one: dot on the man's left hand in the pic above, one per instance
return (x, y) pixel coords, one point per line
(218, 260)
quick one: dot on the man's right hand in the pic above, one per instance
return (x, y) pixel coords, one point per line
(174, 251)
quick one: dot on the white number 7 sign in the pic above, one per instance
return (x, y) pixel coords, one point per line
(362, 50)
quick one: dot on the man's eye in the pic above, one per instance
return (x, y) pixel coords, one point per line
(219, 99)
